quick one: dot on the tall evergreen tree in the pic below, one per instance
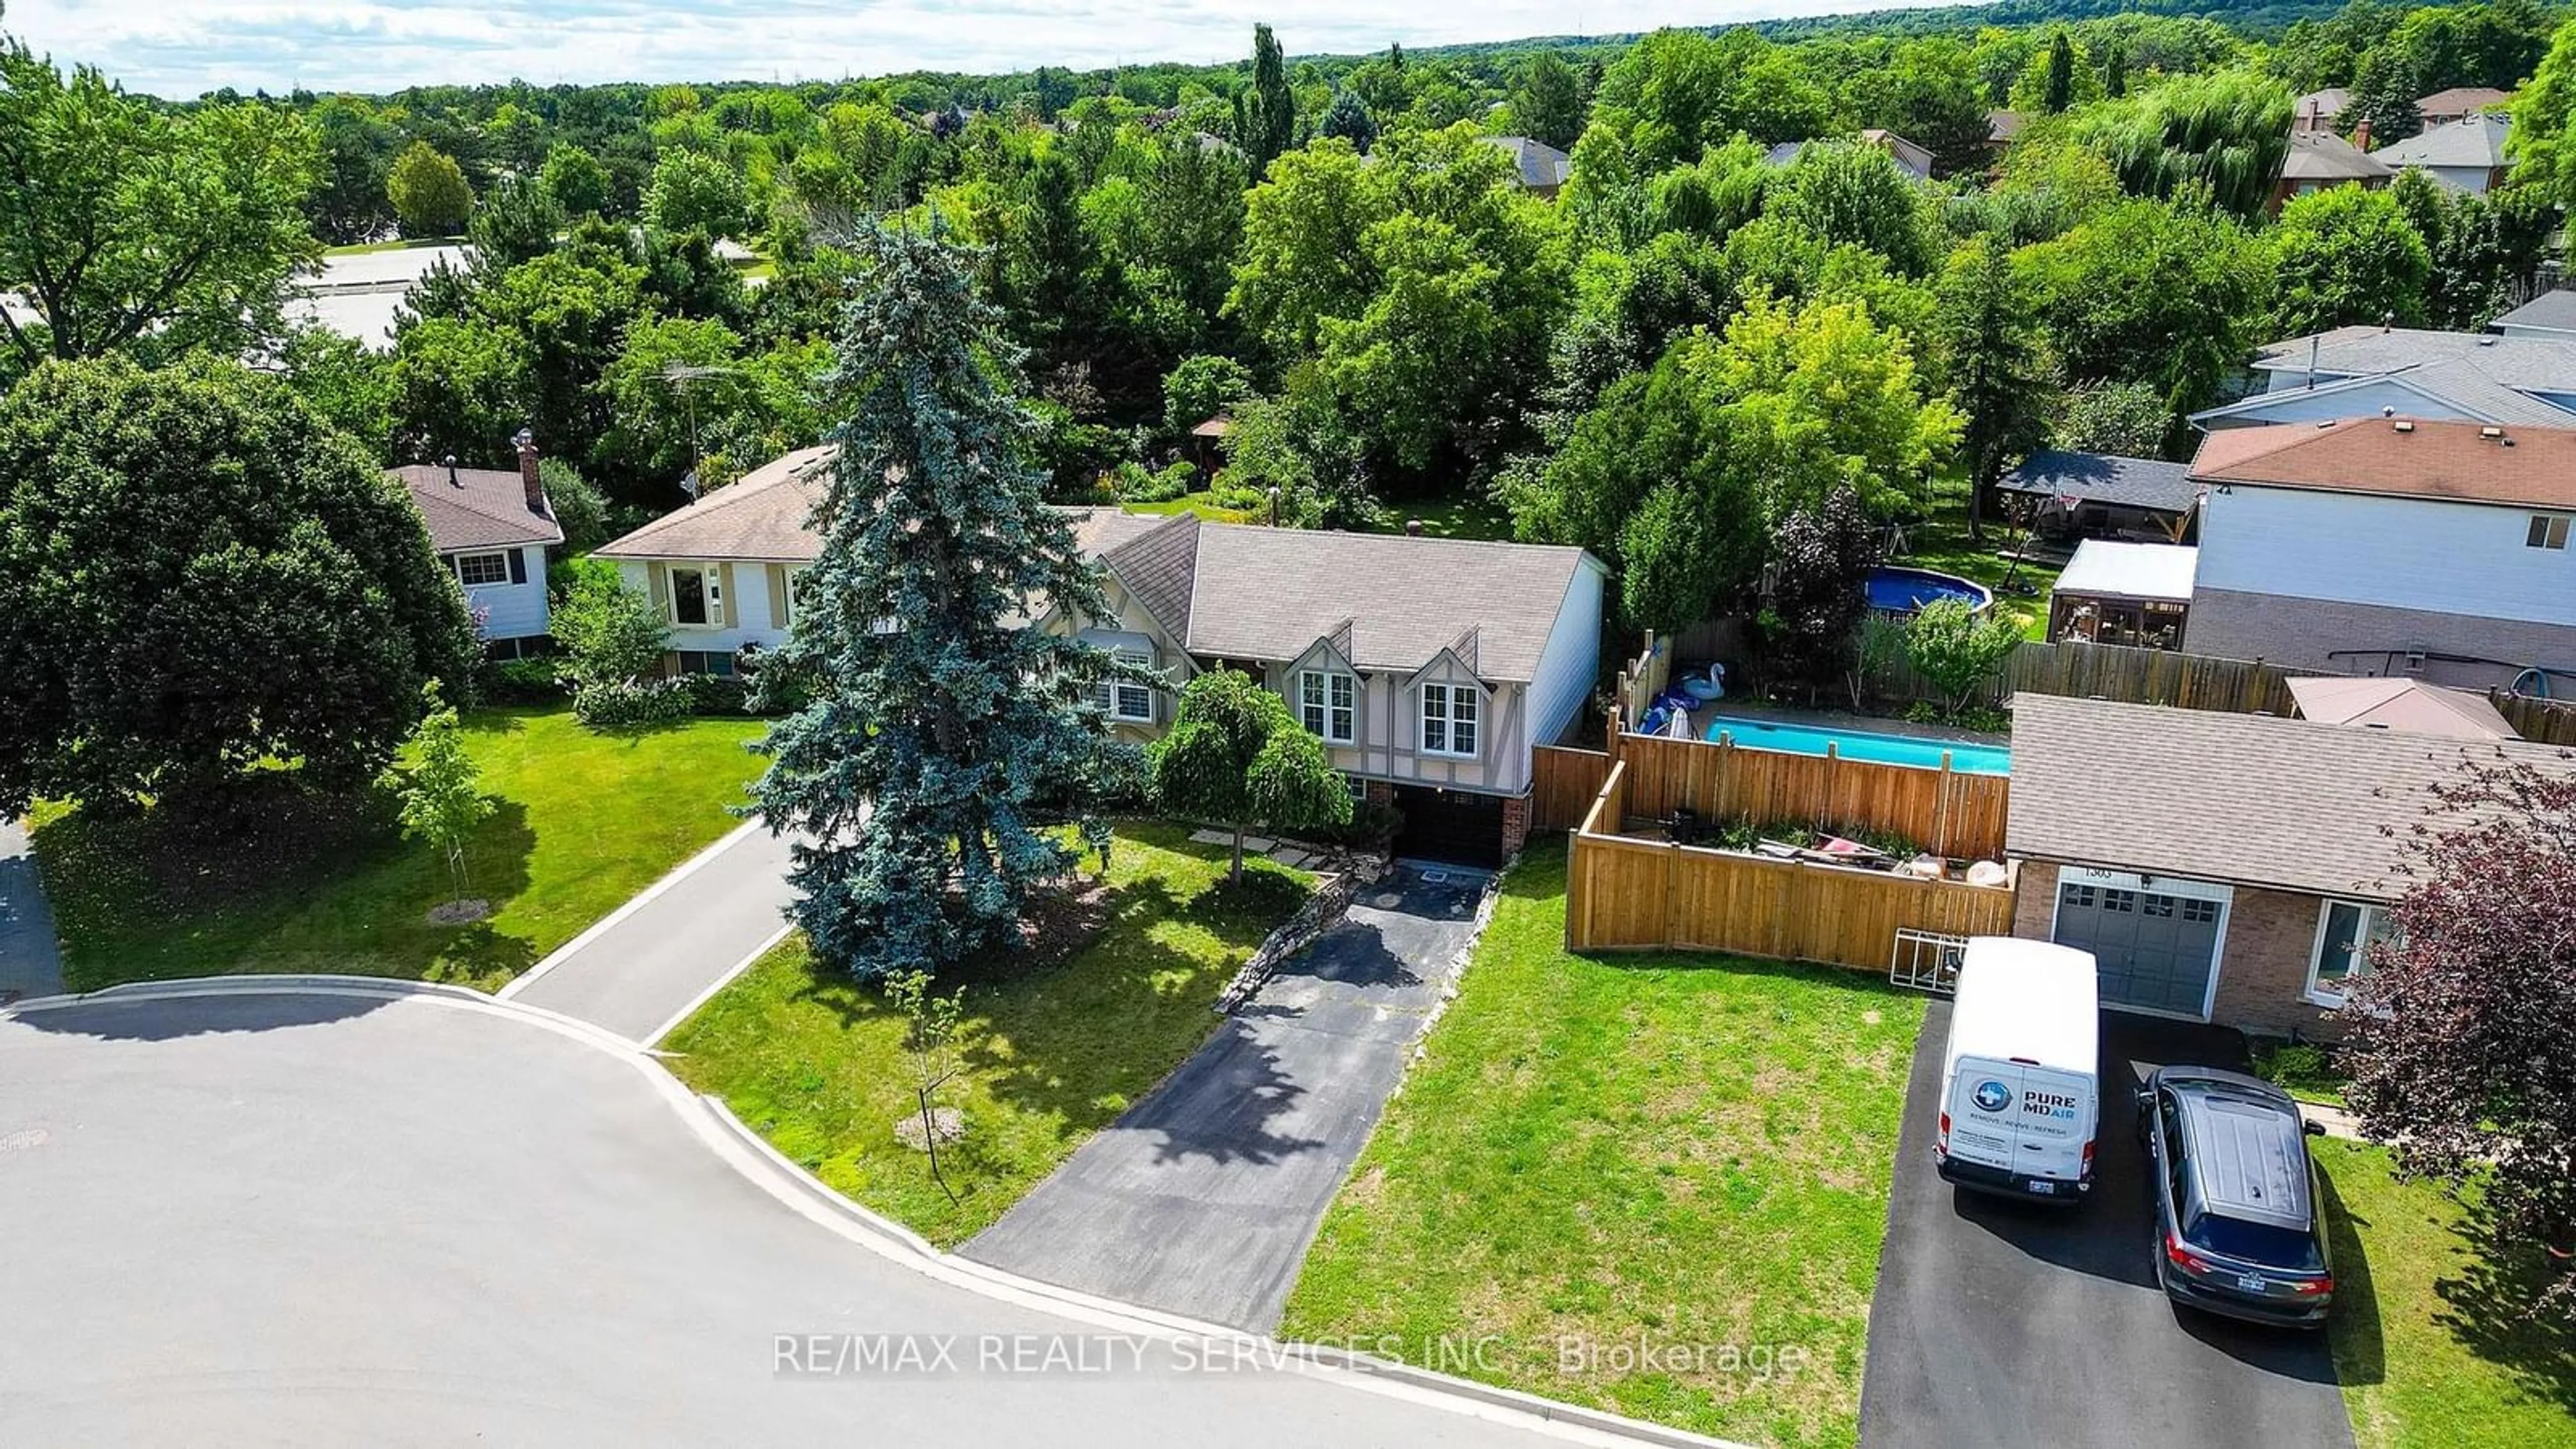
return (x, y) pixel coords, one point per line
(1270, 110)
(1348, 118)
(2059, 90)
(943, 734)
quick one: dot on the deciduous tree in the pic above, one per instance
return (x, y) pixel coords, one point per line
(1237, 756)
(438, 788)
(429, 191)
(204, 576)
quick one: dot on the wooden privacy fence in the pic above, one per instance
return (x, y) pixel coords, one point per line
(1634, 895)
(1948, 812)
(1644, 677)
(1562, 784)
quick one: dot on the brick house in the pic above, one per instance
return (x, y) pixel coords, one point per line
(1430, 667)
(2221, 867)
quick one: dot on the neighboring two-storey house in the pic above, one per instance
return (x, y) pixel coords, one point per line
(2390, 546)
(492, 529)
(2354, 372)
(1429, 667)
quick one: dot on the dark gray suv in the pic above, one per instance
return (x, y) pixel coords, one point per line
(2238, 1228)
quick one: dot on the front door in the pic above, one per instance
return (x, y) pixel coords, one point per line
(2157, 948)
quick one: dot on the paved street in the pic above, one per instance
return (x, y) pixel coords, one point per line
(635, 974)
(2006, 1323)
(31, 962)
(324, 1219)
(1202, 1199)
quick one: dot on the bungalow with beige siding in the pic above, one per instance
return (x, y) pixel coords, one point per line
(1429, 667)
(491, 528)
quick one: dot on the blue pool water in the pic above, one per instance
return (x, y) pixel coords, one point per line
(1894, 590)
(1796, 739)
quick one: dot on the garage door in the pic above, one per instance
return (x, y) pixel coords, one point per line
(1456, 826)
(2156, 950)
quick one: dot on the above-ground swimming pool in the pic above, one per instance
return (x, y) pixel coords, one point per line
(1895, 590)
(1850, 744)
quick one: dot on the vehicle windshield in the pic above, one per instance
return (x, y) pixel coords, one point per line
(2263, 1243)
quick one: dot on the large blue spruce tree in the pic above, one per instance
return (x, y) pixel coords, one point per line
(943, 735)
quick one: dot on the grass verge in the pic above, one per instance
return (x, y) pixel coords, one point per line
(585, 821)
(2429, 1339)
(815, 1062)
(1668, 1150)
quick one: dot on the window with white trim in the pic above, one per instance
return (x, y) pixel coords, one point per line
(1328, 705)
(474, 570)
(2548, 530)
(697, 596)
(2346, 932)
(1449, 720)
(1124, 699)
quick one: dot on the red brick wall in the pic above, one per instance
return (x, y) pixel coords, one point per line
(1516, 818)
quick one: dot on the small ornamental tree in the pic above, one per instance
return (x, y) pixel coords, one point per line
(942, 732)
(2462, 1031)
(930, 1044)
(1235, 755)
(1957, 649)
(440, 792)
(1819, 567)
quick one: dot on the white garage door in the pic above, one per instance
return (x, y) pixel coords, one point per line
(2156, 942)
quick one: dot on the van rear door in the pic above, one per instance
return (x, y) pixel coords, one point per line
(2029, 1120)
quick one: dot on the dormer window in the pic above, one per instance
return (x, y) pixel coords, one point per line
(1449, 720)
(1328, 705)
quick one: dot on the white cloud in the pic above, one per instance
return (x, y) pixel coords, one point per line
(184, 47)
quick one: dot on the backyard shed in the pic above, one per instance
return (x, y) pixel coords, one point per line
(2138, 594)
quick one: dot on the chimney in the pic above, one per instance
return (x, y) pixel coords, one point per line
(528, 483)
(450, 463)
(2361, 135)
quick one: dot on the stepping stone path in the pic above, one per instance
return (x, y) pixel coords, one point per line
(1211, 837)
(1289, 857)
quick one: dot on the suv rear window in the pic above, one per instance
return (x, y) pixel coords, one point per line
(2264, 1243)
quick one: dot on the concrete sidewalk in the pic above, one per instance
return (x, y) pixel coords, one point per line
(651, 962)
(1202, 1198)
(31, 957)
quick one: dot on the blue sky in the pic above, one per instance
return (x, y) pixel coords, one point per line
(184, 47)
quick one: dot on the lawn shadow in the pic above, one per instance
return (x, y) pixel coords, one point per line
(2490, 1308)
(2359, 1339)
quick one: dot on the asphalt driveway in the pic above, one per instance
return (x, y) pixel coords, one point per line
(351, 1219)
(1201, 1200)
(2009, 1323)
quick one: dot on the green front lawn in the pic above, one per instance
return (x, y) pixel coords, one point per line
(2429, 1340)
(585, 821)
(1684, 1151)
(1202, 503)
(1052, 1053)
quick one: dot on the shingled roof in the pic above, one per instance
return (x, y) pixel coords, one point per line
(2401, 457)
(2106, 478)
(2247, 799)
(759, 517)
(474, 508)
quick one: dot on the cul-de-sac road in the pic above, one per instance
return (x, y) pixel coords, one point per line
(319, 1218)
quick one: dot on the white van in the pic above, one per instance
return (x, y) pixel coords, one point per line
(2021, 1080)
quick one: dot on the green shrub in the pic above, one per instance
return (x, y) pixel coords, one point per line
(1136, 484)
(521, 681)
(628, 704)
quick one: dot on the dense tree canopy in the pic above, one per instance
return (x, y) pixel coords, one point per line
(204, 576)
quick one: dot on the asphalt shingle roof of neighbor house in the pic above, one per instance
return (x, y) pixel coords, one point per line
(2325, 156)
(475, 508)
(2477, 141)
(2106, 478)
(2554, 309)
(2460, 101)
(2409, 706)
(2399, 457)
(2458, 383)
(2525, 364)
(760, 516)
(2247, 799)
(2319, 108)
(1539, 164)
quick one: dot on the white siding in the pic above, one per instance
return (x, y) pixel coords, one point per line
(2406, 553)
(1571, 660)
(510, 611)
(747, 618)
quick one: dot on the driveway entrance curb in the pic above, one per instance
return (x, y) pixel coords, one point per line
(811, 1198)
